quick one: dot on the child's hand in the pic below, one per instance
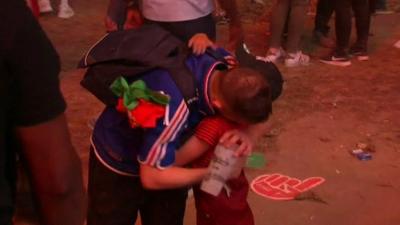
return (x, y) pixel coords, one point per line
(236, 137)
(199, 43)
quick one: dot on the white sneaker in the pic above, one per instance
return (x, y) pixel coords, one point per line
(44, 6)
(297, 59)
(383, 12)
(273, 56)
(65, 11)
(261, 2)
(397, 44)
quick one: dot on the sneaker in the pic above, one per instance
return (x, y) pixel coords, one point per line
(274, 56)
(65, 11)
(261, 2)
(383, 12)
(359, 52)
(297, 59)
(336, 60)
(44, 6)
(311, 13)
(397, 44)
(323, 40)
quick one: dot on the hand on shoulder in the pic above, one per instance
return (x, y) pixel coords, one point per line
(199, 43)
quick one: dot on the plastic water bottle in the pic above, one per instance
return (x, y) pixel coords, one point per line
(225, 165)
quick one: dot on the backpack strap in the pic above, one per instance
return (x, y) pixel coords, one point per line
(186, 82)
(175, 64)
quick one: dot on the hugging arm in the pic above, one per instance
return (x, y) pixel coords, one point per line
(169, 178)
(177, 176)
(191, 150)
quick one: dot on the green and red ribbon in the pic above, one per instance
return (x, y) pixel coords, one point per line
(142, 105)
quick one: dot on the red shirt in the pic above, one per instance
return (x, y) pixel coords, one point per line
(222, 209)
(210, 131)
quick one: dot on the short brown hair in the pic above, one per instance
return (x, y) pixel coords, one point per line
(247, 93)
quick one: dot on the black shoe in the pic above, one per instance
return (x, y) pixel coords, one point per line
(359, 52)
(336, 60)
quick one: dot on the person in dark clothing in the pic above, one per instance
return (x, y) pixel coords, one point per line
(32, 122)
(341, 55)
(321, 27)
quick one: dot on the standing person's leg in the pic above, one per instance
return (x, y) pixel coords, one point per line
(324, 14)
(363, 19)
(372, 6)
(235, 26)
(164, 207)
(278, 18)
(321, 27)
(342, 25)
(297, 18)
(340, 56)
(113, 199)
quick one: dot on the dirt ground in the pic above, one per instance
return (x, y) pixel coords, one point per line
(323, 113)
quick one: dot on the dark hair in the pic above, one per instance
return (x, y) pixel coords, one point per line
(247, 94)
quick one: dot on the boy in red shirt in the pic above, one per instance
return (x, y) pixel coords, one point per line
(230, 207)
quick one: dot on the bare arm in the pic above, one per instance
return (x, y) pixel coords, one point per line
(171, 177)
(191, 150)
(56, 172)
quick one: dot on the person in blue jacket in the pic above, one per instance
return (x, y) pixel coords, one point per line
(132, 170)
